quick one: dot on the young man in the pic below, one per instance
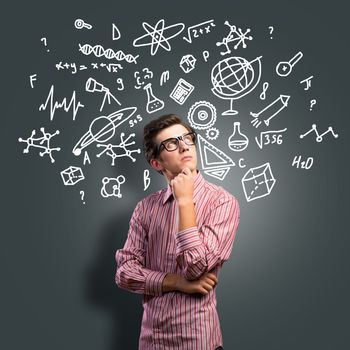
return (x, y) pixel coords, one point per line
(177, 242)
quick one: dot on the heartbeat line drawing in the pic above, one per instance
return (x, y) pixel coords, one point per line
(319, 137)
(55, 104)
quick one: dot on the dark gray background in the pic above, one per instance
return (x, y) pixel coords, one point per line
(287, 283)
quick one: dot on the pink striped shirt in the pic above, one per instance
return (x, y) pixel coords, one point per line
(154, 247)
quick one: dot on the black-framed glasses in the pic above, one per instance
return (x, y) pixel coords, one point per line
(172, 144)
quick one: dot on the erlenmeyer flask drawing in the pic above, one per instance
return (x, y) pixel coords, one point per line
(237, 141)
(153, 103)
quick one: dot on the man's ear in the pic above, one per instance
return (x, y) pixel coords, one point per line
(156, 165)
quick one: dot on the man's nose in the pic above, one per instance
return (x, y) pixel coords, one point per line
(183, 146)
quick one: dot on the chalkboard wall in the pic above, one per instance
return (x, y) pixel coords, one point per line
(286, 285)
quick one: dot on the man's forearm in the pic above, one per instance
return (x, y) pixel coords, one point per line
(170, 282)
(174, 282)
(187, 215)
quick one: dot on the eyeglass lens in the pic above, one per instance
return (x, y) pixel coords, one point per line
(173, 143)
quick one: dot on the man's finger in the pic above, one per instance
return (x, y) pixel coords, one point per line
(211, 282)
(213, 277)
(186, 171)
(203, 291)
(207, 286)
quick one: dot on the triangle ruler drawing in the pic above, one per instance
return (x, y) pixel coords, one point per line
(215, 163)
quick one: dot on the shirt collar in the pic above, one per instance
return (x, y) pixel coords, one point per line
(198, 188)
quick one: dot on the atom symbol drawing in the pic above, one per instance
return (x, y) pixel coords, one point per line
(159, 36)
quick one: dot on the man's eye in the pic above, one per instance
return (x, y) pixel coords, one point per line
(171, 143)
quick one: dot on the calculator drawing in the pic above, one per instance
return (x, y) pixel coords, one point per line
(181, 91)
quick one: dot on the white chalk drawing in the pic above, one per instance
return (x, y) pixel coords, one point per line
(159, 35)
(312, 103)
(103, 128)
(205, 55)
(212, 134)
(94, 86)
(70, 66)
(72, 175)
(181, 91)
(196, 32)
(82, 194)
(134, 121)
(284, 68)
(319, 137)
(154, 104)
(270, 110)
(164, 78)
(115, 32)
(307, 82)
(146, 179)
(140, 78)
(202, 115)
(188, 63)
(240, 163)
(271, 30)
(235, 35)
(111, 186)
(258, 182)
(232, 78)
(263, 94)
(214, 162)
(270, 137)
(99, 51)
(305, 164)
(42, 142)
(235, 77)
(120, 82)
(45, 43)
(120, 150)
(80, 24)
(74, 68)
(86, 158)
(32, 78)
(72, 104)
(237, 141)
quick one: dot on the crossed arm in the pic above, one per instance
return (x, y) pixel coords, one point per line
(198, 250)
(182, 186)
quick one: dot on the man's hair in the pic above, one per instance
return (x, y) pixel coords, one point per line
(152, 129)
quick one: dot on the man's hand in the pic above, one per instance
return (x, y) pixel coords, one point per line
(203, 285)
(182, 186)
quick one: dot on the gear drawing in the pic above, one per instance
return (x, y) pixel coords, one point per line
(202, 115)
(212, 134)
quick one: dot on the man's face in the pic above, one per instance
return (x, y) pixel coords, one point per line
(172, 163)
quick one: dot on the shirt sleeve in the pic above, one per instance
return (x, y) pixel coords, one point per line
(131, 272)
(200, 249)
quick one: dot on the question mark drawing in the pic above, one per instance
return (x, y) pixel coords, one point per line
(271, 30)
(82, 196)
(45, 43)
(312, 103)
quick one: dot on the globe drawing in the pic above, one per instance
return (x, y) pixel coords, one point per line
(235, 77)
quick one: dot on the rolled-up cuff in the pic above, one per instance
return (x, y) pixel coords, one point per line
(187, 239)
(154, 282)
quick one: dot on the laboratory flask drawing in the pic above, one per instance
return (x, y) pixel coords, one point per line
(154, 103)
(237, 141)
(235, 77)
